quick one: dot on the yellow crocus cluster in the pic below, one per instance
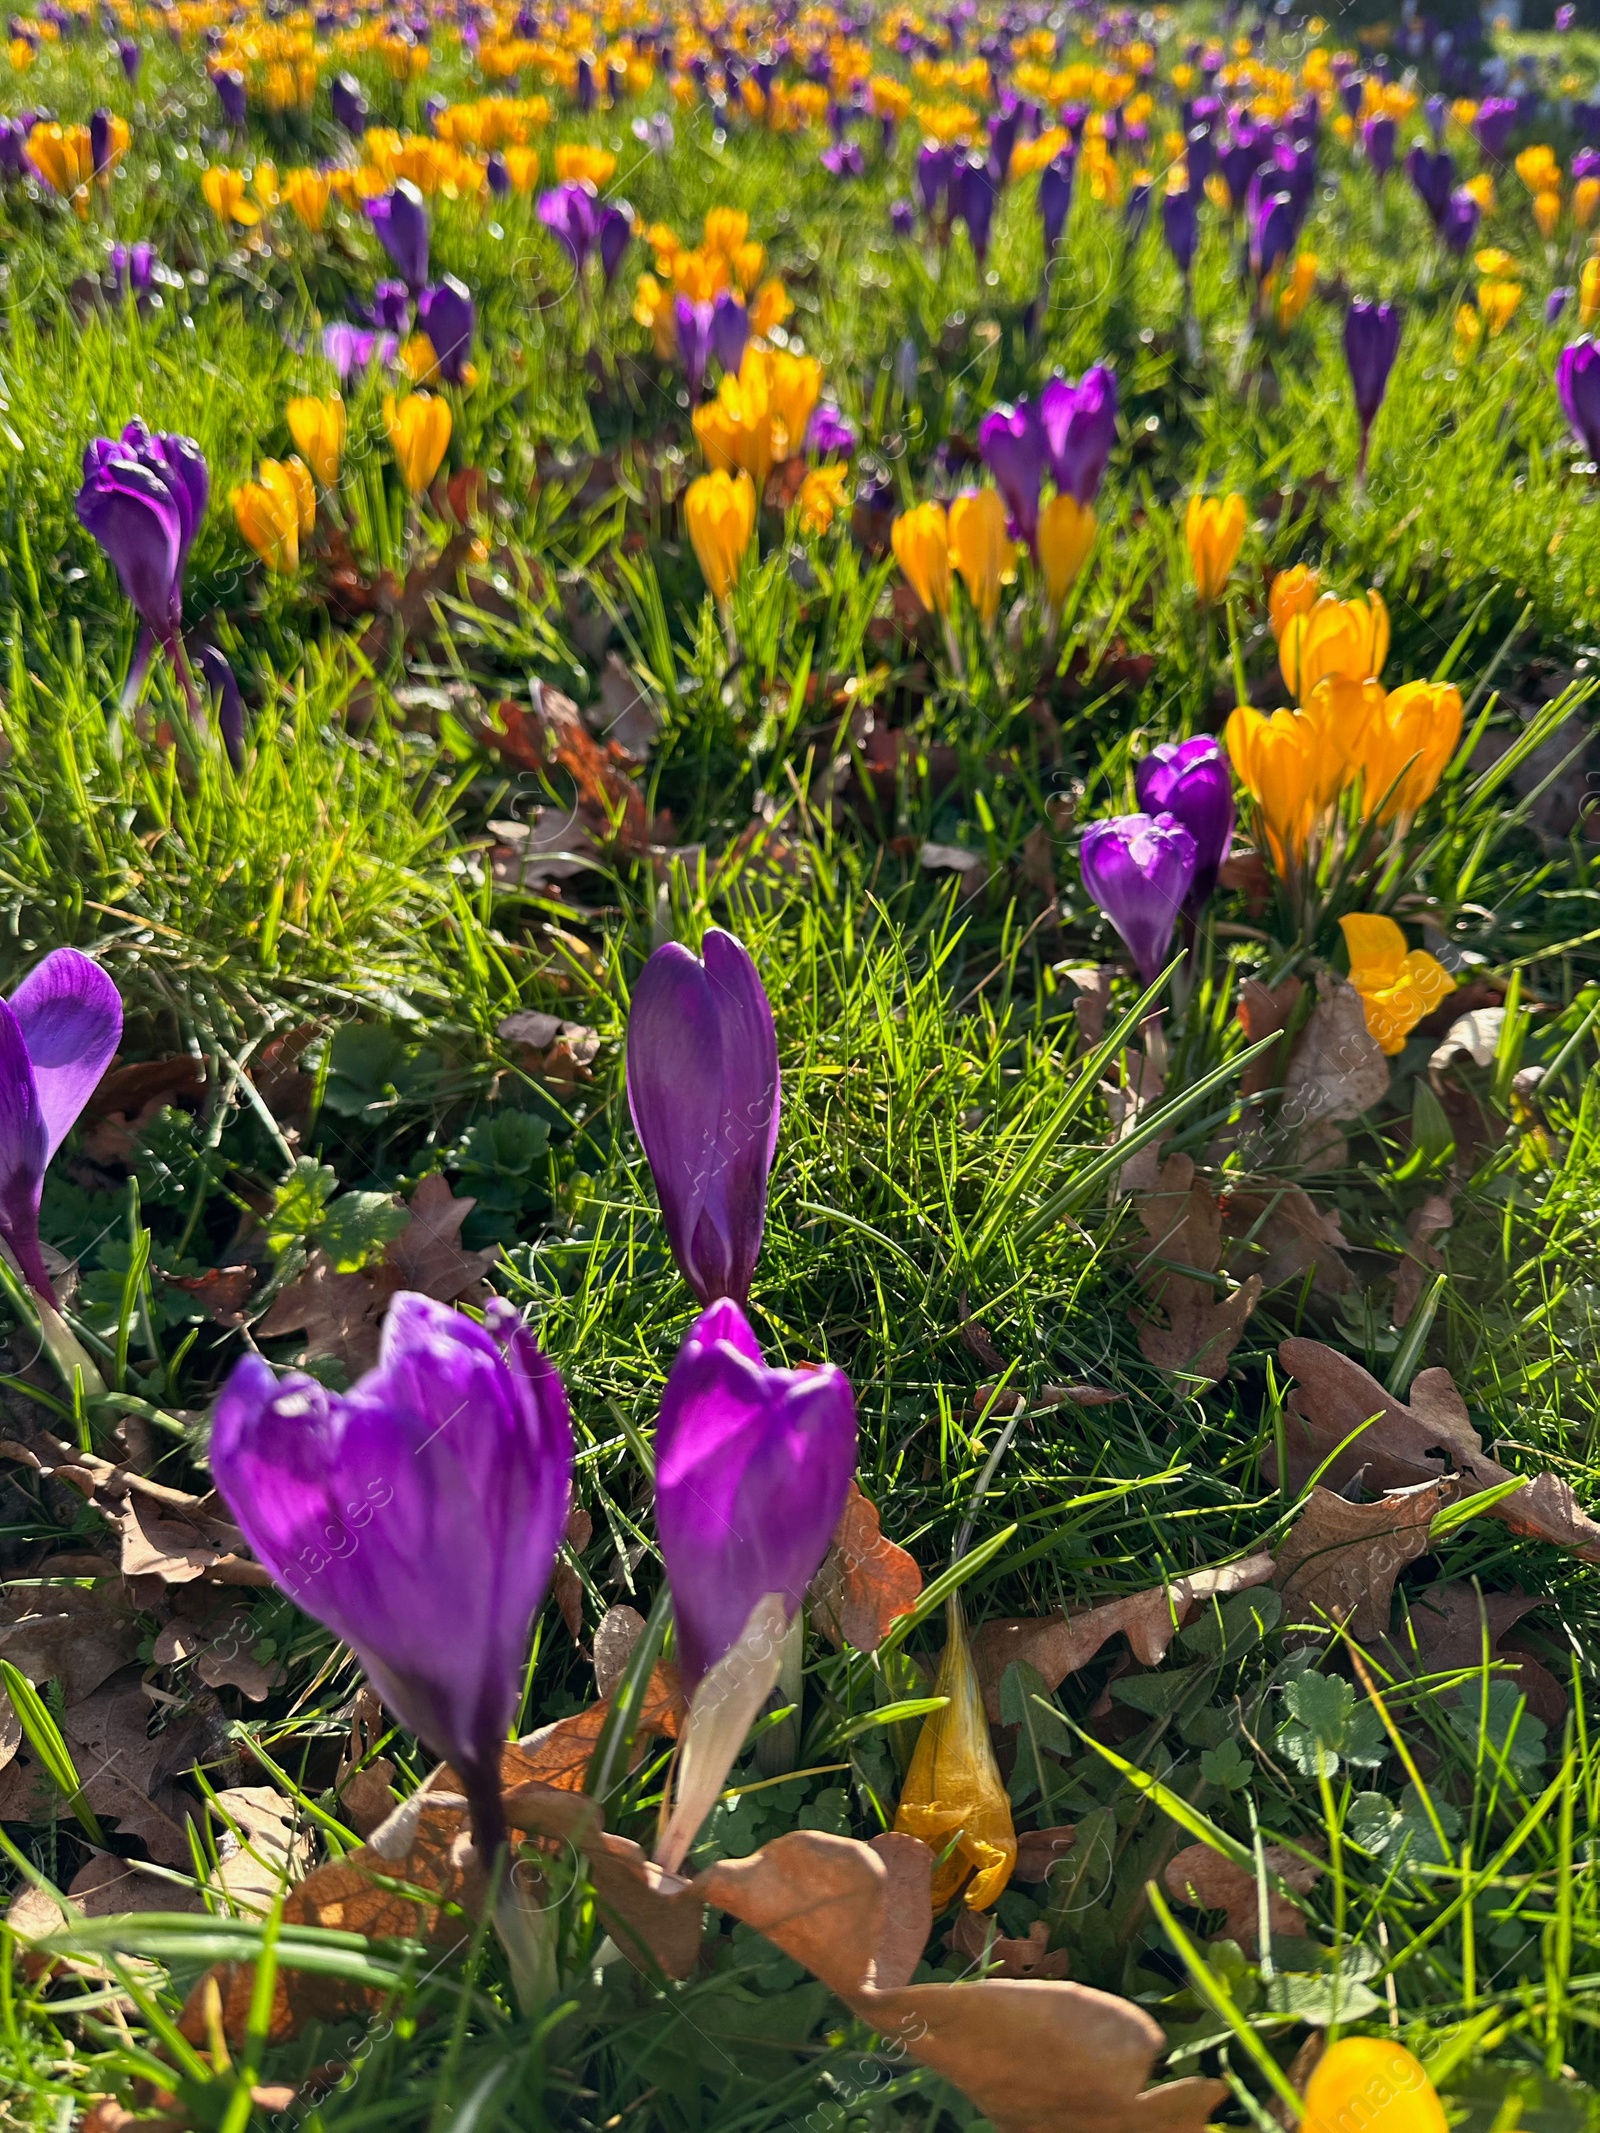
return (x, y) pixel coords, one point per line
(1589, 291)
(969, 537)
(759, 419)
(920, 538)
(1541, 174)
(1389, 748)
(1398, 986)
(1349, 638)
(277, 512)
(493, 121)
(64, 158)
(953, 1797)
(721, 512)
(434, 167)
(727, 258)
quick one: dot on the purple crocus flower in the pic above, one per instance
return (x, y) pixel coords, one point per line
(753, 1467)
(131, 57)
(390, 309)
(1191, 780)
(349, 103)
(829, 435)
(935, 170)
(1556, 302)
(351, 348)
(1011, 441)
(1460, 224)
(569, 213)
(614, 225)
(132, 268)
(1578, 383)
(401, 221)
(417, 1515)
(14, 148)
(223, 686)
(1272, 229)
(704, 1092)
(229, 85)
(1055, 196)
(1492, 127)
(1437, 109)
(495, 174)
(446, 315)
(58, 1034)
(1139, 869)
(1079, 426)
(100, 140)
(1180, 225)
(730, 330)
(1200, 154)
(1434, 176)
(1239, 157)
(902, 218)
(973, 193)
(1371, 342)
(844, 160)
(1378, 136)
(694, 322)
(142, 498)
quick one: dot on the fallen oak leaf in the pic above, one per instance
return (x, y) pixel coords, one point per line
(974, 1936)
(1449, 1627)
(1058, 1645)
(1430, 1220)
(1341, 1419)
(1296, 1235)
(1339, 1560)
(1336, 1072)
(1203, 1877)
(1185, 1225)
(865, 1582)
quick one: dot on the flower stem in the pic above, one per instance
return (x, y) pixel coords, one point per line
(481, 1778)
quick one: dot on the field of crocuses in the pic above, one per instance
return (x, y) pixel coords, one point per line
(800, 1068)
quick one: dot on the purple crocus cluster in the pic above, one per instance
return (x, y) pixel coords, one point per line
(1066, 433)
(419, 1514)
(587, 226)
(1144, 870)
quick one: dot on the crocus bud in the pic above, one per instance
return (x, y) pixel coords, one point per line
(753, 1467)
(1492, 126)
(58, 1034)
(973, 194)
(143, 496)
(1065, 537)
(497, 174)
(223, 686)
(979, 548)
(692, 322)
(417, 1515)
(730, 330)
(1079, 424)
(569, 212)
(1055, 197)
(349, 103)
(131, 57)
(318, 429)
(721, 512)
(1181, 227)
(1578, 383)
(1213, 527)
(1378, 136)
(902, 217)
(921, 542)
(1139, 869)
(613, 234)
(1434, 177)
(954, 1798)
(1012, 445)
(1460, 224)
(229, 85)
(704, 1091)
(1371, 343)
(1191, 781)
(419, 434)
(401, 221)
(445, 313)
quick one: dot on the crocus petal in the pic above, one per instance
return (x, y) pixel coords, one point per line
(70, 1016)
(24, 1151)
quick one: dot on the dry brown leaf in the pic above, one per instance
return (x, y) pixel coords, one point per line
(220, 1292)
(1264, 1014)
(551, 732)
(126, 1771)
(1339, 1561)
(1184, 1224)
(258, 1847)
(1337, 1070)
(865, 1583)
(1335, 1398)
(1203, 1877)
(1430, 1220)
(655, 1918)
(1040, 1851)
(1142, 1085)
(566, 1587)
(279, 1080)
(109, 1887)
(1297, 1236)
(129, 1097)
(427, 1254)
(1032, 1957)
(907, 1908)
(70, 1634)
(1447, 1624)
(1058, 1645)
(625, 713)
(364, 1781)
(336, 1313)
(1090, 1004)
(619, 1630)
(558, 1755)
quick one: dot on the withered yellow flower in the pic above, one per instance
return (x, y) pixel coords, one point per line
(1214, 527)
(1397, 986)
(953, 1798)
(921, 542)
(721, 512)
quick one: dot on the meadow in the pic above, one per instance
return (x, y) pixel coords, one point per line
(864, 740)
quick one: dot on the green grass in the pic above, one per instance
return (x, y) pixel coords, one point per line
(943, 1156)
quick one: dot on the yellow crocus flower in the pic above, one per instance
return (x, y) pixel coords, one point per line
(1343, 637)
(1066, 535)
(1547, 213)
(1585, 200)
(318, 428)
(1538, 169)
(979, 548)
(308, 193)
(585, 166)
(522, 168)
(276, 513)
(1407, 749)
(1589, 291)
(419, 432)
(794, 386)
(224, 193)
(726, 228)
(769, 307)
(1397, 987)
(736, 428)
(1214, 529)
(1295, 764)
(824, 493)
(953, 1797)
(1497, 302)
(64, 159)
(1292, 592)
(1481, 188)
(721, 512)
(1297, 290)
(1372, 2082)
(921, 542)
